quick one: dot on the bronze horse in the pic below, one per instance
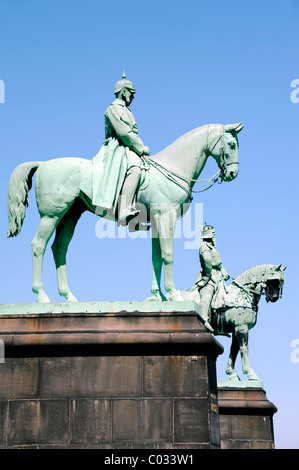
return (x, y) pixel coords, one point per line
(234, 309)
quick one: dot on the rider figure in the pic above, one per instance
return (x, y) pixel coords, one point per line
(117, 167)
(212, 273)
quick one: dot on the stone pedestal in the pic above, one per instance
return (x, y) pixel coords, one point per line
(246, 416)
(108, 375)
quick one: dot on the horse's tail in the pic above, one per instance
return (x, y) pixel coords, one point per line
(19, 186)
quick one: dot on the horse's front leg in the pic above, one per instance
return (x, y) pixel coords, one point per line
(242, 338)
(230, 368)
(166, 233)
(157, 269)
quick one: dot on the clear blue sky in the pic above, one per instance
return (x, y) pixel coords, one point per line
(193, 63)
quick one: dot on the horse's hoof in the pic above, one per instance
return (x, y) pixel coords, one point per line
(155, 298)
(252, 376)
(234, 377)
(42, 298)
(176, 296)
(71, 298)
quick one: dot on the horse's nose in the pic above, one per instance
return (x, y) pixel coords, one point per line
(233, 172)
(231, 175)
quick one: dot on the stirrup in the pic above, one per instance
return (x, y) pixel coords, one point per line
(129, 216)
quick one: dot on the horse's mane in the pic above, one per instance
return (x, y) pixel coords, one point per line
(200, 130)
(255, 275)
(197, 131)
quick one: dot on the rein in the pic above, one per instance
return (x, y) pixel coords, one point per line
(171, 175)
(168, 174)
(249, 291)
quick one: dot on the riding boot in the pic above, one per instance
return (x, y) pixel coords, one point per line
(206, 295)
(126, 210)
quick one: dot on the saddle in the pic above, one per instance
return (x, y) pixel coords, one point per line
(231, 296)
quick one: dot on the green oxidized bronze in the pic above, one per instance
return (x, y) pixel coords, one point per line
(116, 168)
(67, 187)
(212, 273)
(232, 309)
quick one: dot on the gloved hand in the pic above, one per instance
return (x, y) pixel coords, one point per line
(146, 151)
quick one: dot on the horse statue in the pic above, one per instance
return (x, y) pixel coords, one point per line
(234, 309)
(170, 177)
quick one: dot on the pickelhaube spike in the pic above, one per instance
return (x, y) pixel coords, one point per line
(208, 231)
(124, 83)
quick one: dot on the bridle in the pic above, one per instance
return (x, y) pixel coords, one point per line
(247, 289)
(264, 285)
(223, 165)
(173, 176)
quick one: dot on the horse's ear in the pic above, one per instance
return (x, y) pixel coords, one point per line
(233, 128)
(239, 127)
(279, 268)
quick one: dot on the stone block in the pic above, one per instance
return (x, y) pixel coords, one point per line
(38, 422)
(90, 376)
(3, 422)
(19, 377)
(192, 420)
(225, 426)
(175, 376)
(90, 421)
(237, 444)
(142, 420)
(257, 427)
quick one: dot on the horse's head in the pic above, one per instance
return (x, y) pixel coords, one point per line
(224, 147)
(274, 283)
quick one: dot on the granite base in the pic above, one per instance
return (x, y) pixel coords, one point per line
(108, 376)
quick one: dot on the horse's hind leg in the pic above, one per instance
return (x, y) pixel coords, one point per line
(64, 233)
(46, 228)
